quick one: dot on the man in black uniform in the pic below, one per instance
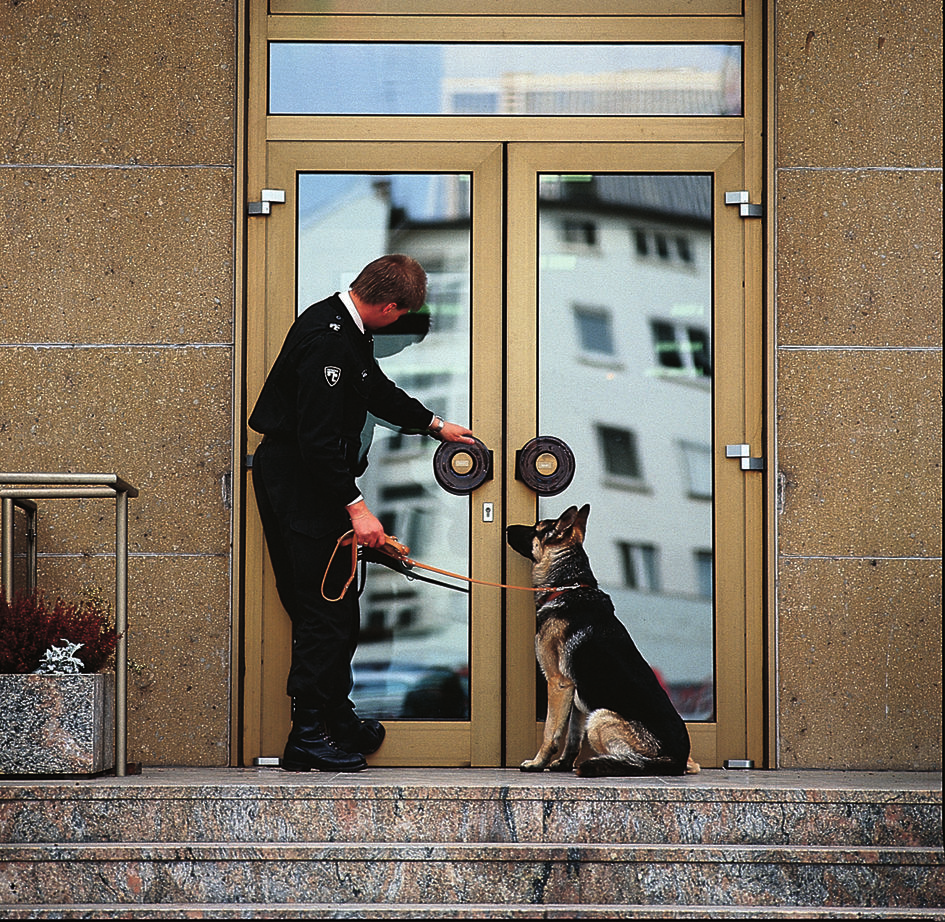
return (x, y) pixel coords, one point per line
(311, 412)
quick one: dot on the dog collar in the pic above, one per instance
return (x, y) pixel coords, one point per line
(561, 590)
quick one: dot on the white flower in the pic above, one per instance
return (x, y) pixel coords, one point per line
(61, 660)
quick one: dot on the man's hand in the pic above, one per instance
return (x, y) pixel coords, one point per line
(367, 526)
(454, 432)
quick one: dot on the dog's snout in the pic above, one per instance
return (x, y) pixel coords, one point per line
(519, 538)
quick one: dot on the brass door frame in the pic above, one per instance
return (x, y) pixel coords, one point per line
(602, 20)
(726, 737)
(477, 741)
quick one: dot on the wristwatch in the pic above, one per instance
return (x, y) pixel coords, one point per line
(437, 425)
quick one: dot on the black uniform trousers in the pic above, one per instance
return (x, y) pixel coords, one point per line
(324, 634)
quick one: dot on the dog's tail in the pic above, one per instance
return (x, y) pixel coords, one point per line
(611, 766)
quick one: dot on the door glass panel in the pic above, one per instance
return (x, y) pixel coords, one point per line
(350, 78)
(625, 378)
(413, 657)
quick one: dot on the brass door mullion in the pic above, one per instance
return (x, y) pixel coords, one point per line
(521, 425)
(486, 387)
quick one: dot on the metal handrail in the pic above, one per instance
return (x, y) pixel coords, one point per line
(32, 486)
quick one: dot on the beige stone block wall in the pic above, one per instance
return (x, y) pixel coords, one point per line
(117, 172)
(117, 178)
(859, 383)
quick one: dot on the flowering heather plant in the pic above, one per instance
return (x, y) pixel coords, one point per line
(30, 626)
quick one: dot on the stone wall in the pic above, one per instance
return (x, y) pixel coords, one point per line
(117, 180)
(858, 173)
(117, 156)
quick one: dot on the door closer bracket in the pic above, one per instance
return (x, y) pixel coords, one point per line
(268, 198)
(745, 208)
(746, 461)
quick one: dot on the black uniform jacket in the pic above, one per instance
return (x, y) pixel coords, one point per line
(313, 407)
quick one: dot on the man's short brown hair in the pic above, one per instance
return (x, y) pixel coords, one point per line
(393, 278)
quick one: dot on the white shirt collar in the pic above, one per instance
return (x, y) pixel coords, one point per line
(348, 303)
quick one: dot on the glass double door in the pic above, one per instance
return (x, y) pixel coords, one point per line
(593, 293)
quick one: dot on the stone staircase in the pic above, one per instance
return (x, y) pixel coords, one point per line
(472, 843)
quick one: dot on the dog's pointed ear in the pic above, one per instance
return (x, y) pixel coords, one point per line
(566, 520)
(581, 518)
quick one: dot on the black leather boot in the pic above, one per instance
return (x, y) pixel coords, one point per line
(311, 746)
(351, 733)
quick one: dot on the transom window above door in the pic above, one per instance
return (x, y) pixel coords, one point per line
(413, 78)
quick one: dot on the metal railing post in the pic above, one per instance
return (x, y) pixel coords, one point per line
(121, 626)
(32, 545)
(7, 528)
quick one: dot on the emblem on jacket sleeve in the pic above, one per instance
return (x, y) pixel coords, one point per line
(332, 375)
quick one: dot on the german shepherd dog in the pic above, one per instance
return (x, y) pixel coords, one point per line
(598, 683)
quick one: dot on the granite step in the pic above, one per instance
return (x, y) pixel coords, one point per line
(518, 874)
(472, 806)
(478, 843)
(453, 911)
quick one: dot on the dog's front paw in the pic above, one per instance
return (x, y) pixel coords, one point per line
(561, 765)
(533, 765)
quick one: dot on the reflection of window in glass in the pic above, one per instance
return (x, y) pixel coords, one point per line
(682, 348)
(699, 351)
(684, 249)
(675, 250)
(579, 233)
(388, 612)
(662, 246)
(640, 569)
(704, 574)
(447, 297)
(619, 451)
(698, 461)
(395, 442)
(595, 330)
(401, 512)
(668, 353)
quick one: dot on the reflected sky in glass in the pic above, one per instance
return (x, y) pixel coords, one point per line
(322, 78)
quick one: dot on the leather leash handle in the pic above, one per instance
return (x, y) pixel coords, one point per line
(393, 548)
(346, 538)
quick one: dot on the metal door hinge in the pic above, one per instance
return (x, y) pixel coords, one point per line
(268, 197)
(746, 461)
(745, 208)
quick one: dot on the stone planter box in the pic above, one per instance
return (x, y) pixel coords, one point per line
(57, 724)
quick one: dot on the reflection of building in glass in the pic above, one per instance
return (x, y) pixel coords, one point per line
(405, 78)
(625, 378)
(669, 91)
(625, 295)
(413, 658)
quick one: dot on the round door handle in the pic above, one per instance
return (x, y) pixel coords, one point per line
(546, 465)
(460, 468)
